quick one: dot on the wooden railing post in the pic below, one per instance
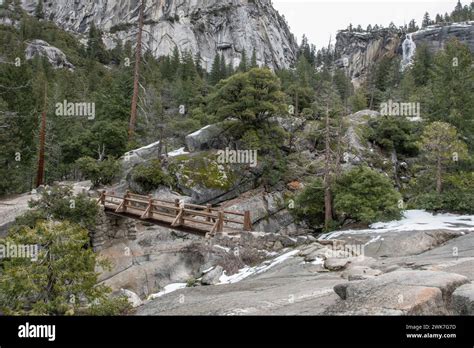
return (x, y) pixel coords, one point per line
(247, 221)
(176, 204)
(102, 198)
(220, 222)
(125, 199)
(150, 206)
(148, 214)
(179, 221)
(208, 210)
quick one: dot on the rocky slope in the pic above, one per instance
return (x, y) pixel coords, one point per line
(321, 279)
(204, 26)
(358, 51)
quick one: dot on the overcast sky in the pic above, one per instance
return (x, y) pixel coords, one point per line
(319, 19)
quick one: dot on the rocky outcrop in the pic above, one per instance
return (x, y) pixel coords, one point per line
(436, 36)
(399, 292)
(212, 277)
(54, 55)
(463, 299)
(205, 26)
(358, 51)
(205, 138)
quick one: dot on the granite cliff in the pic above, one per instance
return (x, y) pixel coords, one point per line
(204, 26)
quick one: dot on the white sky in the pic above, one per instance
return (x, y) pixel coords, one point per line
(319, 19)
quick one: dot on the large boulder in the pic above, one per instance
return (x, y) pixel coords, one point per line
(132, 297)
(201, 177)
(335, 264)
(54, 55)
(212, 277)
(205, 138)
(410, 292)
(463, 300)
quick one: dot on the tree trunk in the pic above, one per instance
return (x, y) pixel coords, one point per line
(42, 140)
(439, 180)
(395, 168)
(327, 175)
(138, 57)
(297, 104)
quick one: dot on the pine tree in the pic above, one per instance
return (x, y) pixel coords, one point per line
(62, 281)
(175, 61)
(412, 27)
(426, 20)
(441, 145)
(215, 75)
(243, 66)
(452, 89)
(198, 64)
(253, 60)
(457, 14)
(422, 64)
(39, 12)
(223, 68)
(95, 46)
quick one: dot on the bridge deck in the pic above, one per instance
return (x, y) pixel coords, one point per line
(177, 214)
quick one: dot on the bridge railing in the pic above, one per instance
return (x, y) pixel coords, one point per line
(180, 213)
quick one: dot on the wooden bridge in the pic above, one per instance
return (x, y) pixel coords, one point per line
(177, 214)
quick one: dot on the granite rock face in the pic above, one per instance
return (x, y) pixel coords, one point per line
(358, 51)
(54, 55)
(204, 26)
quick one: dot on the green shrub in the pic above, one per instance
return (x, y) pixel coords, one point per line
(100, 173)
(361, 194)
(59, 203)
(457, 196)
(366, 196)
(309, 205)
(150, 176)
(61, 279)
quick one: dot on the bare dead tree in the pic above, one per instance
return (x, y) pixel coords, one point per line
(138, 56)
(42, 138)
(101, 152)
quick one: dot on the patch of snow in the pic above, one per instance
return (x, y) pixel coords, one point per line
(268, 253)
(143, 148)
(373, 240)
(221, 247)
(249, 271)
(178, 152)
(415, 220)
(199, 131)
(167, 290)
(318, 261)
(415, 119)
(208, 270)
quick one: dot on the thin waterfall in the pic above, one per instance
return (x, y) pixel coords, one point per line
(409, 50)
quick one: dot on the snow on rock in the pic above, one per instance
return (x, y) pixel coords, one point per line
(167, 290)
(132, 297)
(178, 152)
(415, 220)
(249, 271)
